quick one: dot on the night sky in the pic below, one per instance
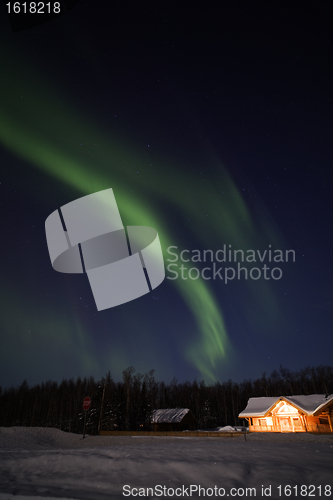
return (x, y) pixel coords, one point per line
(212, 126)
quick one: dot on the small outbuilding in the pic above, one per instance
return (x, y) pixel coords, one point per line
(312, 413)
(173, 419)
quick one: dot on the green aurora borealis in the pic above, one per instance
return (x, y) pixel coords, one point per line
(207, 155)
(52, 145)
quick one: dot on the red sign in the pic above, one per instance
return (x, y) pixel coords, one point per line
(86, 403)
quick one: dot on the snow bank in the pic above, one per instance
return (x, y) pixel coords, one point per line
(44, 463)
(226, 428)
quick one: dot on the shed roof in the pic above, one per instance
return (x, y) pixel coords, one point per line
(169, 415)
(310, 404)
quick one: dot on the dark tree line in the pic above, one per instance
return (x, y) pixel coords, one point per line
(127, 405)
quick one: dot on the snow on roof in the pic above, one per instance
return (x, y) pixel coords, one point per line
(258, 407)
(309, 403)
(328, 401)
(169, 415)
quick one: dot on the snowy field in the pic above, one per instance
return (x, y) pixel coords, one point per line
(44, 463)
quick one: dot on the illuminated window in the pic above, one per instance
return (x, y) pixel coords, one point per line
(269, 421)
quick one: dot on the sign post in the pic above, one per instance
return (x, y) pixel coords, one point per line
(86, 406)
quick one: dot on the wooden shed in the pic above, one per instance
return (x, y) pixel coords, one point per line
(312, 413)
(173, 419)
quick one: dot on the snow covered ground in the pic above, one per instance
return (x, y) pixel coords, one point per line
(48, 463)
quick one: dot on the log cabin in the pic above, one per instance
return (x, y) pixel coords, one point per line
(312, 413)
(173, 419)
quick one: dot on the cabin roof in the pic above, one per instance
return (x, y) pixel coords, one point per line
(169, 415)
(258, 407)
(310, 404)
